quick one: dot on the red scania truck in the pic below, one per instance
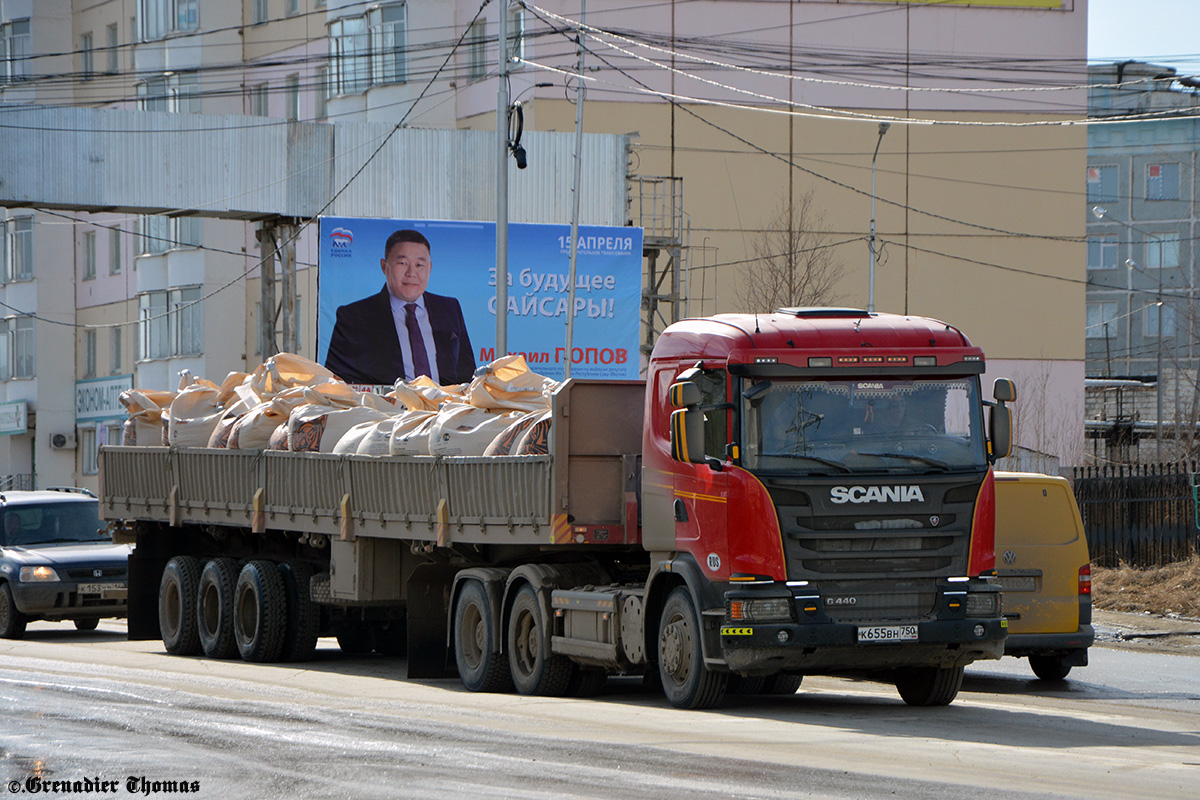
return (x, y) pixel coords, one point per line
(808, 491)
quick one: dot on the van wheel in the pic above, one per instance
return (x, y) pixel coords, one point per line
(12, 622)
(177, 593)
(929, 686)
(686, 681)
(1049, 668)
(481, 666)
(260, 613)
(88, 624)
(534, 671)
(214, 608)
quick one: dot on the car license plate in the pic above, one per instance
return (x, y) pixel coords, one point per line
(114, 590)
(1018, 584)
(888, 633)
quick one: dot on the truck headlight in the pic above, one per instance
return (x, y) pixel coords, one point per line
(774, 608)
(38, 574)
(983, 604)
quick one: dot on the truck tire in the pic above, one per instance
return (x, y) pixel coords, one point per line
(12, 622)
(303, 622)
(177, 593)
(214, 608)
(782, 683)
(534, 671)
(687, 681)
(481, 667)
(586, 682)
(1049, 668)
(744, 684)
(88, 624)
(929, 686)
(259, 612)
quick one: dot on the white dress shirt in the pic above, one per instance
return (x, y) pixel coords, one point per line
(399, 315)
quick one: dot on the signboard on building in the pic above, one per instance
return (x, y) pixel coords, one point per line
(13, 418)
(461, 272)
(98, 399)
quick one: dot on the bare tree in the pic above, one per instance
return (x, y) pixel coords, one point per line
(794, 263)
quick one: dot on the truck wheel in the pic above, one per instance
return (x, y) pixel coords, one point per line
(929, 686)
(214, 608)
(782, 683)
(744, 684)
(177, 593)
(480, 666)
(88, 624)
(260, 612)
(534, 671)
(586, 682)
(1049, 668)
(303, 617)
(686, 681)
(12, 622)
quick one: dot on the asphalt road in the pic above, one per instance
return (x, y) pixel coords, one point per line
(76, 707)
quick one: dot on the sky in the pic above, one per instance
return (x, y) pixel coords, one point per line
(1158, 31)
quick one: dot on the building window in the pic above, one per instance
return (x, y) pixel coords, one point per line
(291, 97)
(258, 100)
(291, 7)
(388, 26)
(114, 350)
(1162, 253)
(1102, 252)
(1162, 181)
(152, 94)
(1150, 320)
(89, 354)
(516, 34)
(348, 55)
(114, 251)
(16, 50)
(16, 249)
(1100, 320)
(260, 12)
(111, 43)
(476, 42)
(171, 323)
(1102, 184)
(172, 92)
(89, 451)
(322, 92)
(89, 255)
(16, 348)
(87, 62)
(158, 234)
(157, 18)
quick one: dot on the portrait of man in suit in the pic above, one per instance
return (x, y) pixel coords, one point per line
(403, 331)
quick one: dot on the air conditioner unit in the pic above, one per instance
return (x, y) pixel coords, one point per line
(62, 441)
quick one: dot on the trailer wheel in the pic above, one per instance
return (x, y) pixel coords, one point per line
(782, 683)
(260, 612)
(1049, 668)
(214, 608)
(686, 681)
(929, 686)
(481, 667)
(177, 593)
(12, 622)
(534, 671)
(303, 617)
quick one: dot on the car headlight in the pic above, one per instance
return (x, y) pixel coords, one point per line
(38, 574)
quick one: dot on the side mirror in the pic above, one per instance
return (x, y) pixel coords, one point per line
(687, 433)
(1004, 390)
(684, 394)
(1000, 421)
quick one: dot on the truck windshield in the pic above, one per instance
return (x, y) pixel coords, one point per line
(875, 425)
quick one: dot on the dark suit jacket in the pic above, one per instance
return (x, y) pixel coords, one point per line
(365, 347)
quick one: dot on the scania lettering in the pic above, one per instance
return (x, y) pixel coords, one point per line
(803, 492)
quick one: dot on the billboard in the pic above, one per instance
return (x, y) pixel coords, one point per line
(354, 327)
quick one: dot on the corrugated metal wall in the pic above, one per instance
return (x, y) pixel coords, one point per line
(253, 167)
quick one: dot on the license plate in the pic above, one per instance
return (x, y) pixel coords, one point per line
(1021, 584)
(116, 590)
(888, 633)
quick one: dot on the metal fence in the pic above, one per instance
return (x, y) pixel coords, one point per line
(1140, 514)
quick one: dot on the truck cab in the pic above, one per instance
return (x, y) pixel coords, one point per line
(820, 482)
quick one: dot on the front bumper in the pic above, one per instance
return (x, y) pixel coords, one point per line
(64, 600)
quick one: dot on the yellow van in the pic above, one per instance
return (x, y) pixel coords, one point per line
(1043, 566)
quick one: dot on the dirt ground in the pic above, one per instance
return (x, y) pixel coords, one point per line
(1148, 609)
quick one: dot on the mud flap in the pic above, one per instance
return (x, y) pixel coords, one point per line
(428, 609)
(145, 573)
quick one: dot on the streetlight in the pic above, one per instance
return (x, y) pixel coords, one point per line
(1101, 213)
(883, 128)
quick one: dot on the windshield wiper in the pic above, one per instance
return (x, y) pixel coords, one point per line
(829, 462)
(933, 462)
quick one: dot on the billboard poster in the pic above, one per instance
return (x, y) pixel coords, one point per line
(367, 334)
